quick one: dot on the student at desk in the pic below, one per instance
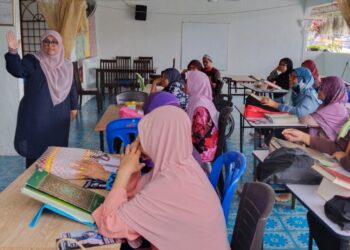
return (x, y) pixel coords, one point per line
(304, 99)
(340, 150)
(203, 115)
(311, 65)
(174, 206)
(172, 82)
(331, 115)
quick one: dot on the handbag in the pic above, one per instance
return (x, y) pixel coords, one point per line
(337, 210)
(288, 166)
(252, 111)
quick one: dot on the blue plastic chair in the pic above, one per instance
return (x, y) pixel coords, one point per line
(121, 128)
(235, 164)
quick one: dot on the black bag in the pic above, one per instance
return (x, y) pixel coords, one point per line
(250, 100)
(288, 166)
(337, 210)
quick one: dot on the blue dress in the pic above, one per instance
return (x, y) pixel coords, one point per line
(39, 123)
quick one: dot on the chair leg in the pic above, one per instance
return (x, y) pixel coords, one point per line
(98, 103)
(80, 100)
(310, 241)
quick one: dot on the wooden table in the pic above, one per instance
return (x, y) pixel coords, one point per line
(233, 80)
(111, 114)
(17, 210)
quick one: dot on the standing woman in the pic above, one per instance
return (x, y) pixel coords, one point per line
(203, 115)
(50, 98)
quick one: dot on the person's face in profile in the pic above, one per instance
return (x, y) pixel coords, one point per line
(321, 93)
(164, 81)
(50, 46)
(293, 79)
(207, 63)
(282, 66)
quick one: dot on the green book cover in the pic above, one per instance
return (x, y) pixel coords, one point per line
(65, 190)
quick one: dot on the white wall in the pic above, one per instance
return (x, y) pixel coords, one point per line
(10, 94)
(257, 39)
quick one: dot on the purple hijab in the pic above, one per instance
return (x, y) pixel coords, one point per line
(332, 113)
(57, 70)
(200, 95)
(159, 99)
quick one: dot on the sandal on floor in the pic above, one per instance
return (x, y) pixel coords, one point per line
(283, 197)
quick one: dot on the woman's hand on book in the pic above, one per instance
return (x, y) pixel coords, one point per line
(269, 102)
(338, 155)
(92, 169)
(295, 135)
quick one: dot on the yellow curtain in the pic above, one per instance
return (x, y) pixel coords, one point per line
(67, 17)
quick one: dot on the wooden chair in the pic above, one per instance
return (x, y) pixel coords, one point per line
(147, 58)
(123, 62)
(82, 91)
(108, 78)
(140, 66)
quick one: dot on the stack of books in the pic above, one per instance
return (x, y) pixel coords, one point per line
(336, 181)
(62, 196)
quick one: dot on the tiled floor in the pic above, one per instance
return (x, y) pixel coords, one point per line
(285, 229)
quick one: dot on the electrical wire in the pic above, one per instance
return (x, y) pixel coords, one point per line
(205, 14)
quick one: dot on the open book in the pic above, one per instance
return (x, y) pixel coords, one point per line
(271, 85)
(63, 195)
(337, 175)
(61, 161)
(322, 158)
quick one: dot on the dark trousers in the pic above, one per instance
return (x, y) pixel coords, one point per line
(323, 238)
(29, 162)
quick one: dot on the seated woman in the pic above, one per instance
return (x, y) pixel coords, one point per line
(304, 99)
(94, 170)
(212, 72)
(284, 65)
(311, 65)
(172, 82)
(332, 113)
(340, 150)
(156, 211)
(280, 76)
(203, 115)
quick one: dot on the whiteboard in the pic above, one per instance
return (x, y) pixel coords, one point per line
(199, 39)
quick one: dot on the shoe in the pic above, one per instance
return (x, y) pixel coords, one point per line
(283, 197)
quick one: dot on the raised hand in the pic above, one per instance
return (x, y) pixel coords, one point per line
(12, 42)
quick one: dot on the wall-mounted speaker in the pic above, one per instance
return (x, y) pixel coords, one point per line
(140, 12)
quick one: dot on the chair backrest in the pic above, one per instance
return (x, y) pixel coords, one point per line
(234, 163)
(77, 77)
(128, 96)
(109, 73)
(222, 101)
(255, 206)
(121, 129)
(147, 58)
(226, 127)
(123, 62)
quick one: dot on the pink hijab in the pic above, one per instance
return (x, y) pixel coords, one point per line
(176, 207)
(200, 95)
(58, 71)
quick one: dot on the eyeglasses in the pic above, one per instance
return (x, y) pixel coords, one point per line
(49, 42)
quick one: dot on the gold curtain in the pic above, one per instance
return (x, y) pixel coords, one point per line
(67, 17)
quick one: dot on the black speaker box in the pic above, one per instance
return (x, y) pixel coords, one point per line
(140, 12)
